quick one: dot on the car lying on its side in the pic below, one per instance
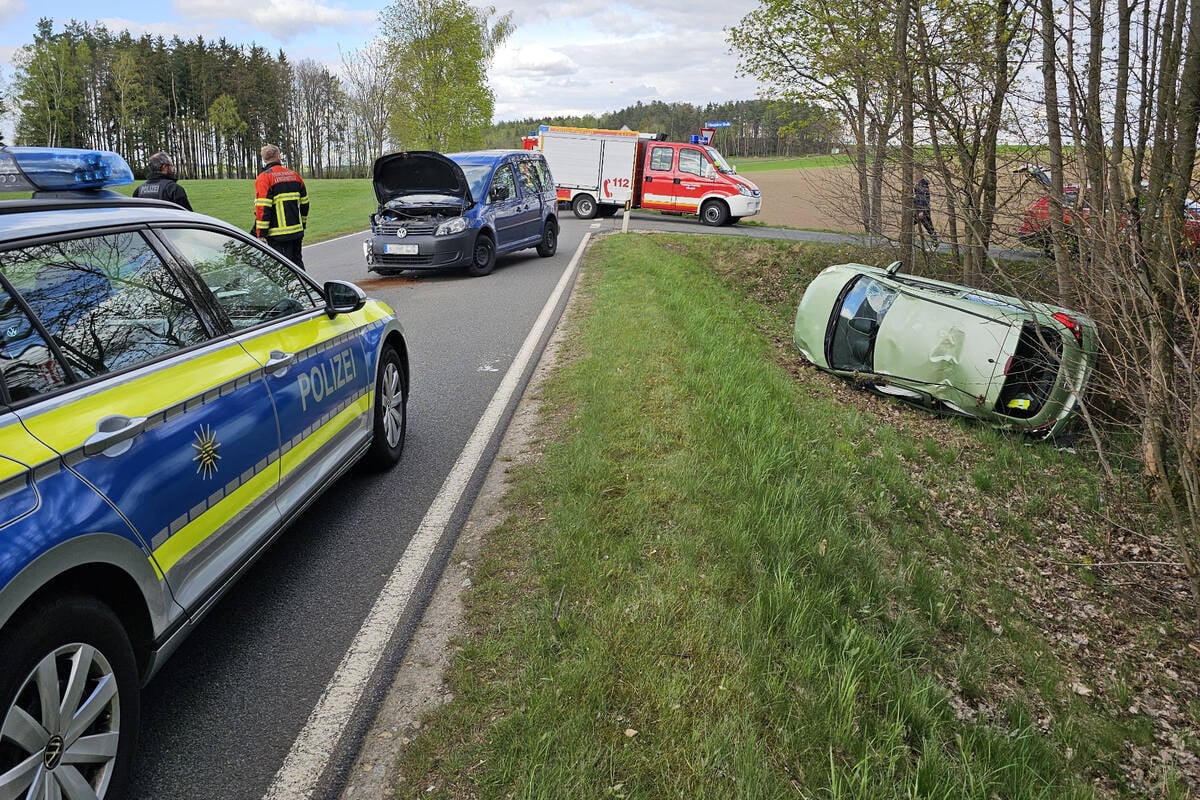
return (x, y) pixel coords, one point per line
(1014, 364)
(460, 210)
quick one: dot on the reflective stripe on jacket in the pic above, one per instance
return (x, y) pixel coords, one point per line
(280, 203)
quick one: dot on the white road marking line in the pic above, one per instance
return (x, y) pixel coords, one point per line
(358, 234)
(309, 757)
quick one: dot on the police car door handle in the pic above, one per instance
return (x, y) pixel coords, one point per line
(113, 436)
(279, 361)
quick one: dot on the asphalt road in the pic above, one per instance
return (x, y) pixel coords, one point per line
(222, 715)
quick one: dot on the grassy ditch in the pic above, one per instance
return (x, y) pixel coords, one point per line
(732, 576)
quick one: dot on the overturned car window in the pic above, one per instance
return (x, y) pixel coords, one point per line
(855, 322)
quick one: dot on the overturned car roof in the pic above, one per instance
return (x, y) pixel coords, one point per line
(422, 171)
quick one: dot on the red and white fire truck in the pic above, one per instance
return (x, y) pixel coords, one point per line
(599, 172)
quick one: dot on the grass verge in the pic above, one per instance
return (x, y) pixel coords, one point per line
(729, 576)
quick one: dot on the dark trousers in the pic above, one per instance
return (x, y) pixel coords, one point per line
(290, 249)
(922, 218)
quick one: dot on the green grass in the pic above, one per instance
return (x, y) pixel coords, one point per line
(724, 580)
(777, 164)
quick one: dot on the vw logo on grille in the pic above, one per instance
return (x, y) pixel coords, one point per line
(402, 232)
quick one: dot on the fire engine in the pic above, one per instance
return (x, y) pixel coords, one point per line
(599, 172)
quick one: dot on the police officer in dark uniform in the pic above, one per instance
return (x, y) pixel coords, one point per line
(161, 183)
(922, 211)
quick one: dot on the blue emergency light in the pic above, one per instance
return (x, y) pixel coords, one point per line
(55, 169)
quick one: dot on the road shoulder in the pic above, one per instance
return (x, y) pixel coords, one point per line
(418, 686)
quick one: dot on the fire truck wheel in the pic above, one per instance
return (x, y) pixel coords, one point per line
(584, 206)
(714, 213)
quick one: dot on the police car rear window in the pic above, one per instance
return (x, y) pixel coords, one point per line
(108, 302)
(27, 364)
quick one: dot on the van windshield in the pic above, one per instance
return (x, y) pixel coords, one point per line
(477, 178)
(719, 161)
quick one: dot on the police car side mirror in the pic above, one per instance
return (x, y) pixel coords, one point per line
(343, 297)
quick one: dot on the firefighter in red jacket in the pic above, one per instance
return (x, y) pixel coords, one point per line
(280, 206)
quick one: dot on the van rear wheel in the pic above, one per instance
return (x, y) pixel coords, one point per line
(548, 246)
(584, 206)
(714, 213)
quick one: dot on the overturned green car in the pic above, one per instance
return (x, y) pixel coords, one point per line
(1014, 364)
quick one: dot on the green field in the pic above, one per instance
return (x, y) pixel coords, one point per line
(780, 164)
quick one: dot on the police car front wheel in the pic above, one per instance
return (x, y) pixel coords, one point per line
(69, 688)
(391, 416)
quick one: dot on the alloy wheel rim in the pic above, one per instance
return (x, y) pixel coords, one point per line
(393, 404)
(60, 735)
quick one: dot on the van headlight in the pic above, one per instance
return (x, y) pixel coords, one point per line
(456, 225)
(744, 190)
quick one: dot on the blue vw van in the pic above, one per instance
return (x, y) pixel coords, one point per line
(460, 210)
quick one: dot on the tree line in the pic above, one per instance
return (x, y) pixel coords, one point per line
(420, 84)
(758, 127)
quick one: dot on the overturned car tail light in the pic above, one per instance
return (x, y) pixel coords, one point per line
(1071, 324)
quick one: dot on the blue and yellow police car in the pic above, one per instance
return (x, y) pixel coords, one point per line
(172, 394)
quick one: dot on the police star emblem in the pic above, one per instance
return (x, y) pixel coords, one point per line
(207, 455)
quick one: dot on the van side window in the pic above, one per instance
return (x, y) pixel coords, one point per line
(661, 158)
(530, 183)
(543, 170)
(503, 179)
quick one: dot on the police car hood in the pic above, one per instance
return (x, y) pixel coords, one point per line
(418, 172)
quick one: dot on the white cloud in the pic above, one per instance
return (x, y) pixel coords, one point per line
(282, 19)
(533, 61)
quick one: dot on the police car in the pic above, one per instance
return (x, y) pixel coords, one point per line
(172, 395)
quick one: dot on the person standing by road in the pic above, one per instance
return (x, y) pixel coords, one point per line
(280, 206)
(161, 182)
(921, 205)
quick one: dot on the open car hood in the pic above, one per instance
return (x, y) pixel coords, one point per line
(418, 172)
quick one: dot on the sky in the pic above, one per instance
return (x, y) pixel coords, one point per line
(565, 57)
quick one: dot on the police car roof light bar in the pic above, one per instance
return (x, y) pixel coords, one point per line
(51, 169)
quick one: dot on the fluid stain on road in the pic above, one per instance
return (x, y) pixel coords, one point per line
(385, 283)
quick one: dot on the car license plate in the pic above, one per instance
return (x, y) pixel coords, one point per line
(400, 249)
